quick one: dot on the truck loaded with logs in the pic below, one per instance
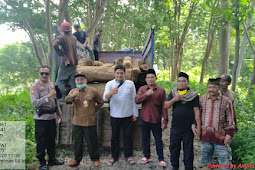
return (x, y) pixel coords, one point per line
(98, 73)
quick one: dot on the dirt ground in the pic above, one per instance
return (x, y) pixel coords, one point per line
(66, 154)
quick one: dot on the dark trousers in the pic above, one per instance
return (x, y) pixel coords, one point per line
(127, 126)
(45, 134)
(187, 138)
(89, 133)
(96, 54)
(146, 135)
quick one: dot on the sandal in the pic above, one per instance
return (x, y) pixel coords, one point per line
(130, 160)
(144, 160)
(162, 163)
(111, 162)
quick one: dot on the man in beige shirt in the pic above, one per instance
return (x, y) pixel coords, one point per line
(84, 99)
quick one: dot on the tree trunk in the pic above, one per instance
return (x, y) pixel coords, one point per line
(61, 11)
(180, 42)
(244, 42)
(237, 22)
(252, 82)
(49, 37)
(33, 39)
(98, 16)
(224, 43)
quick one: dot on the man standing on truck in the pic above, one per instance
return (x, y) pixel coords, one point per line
(82, 37)
(152, 98)
(65, 46)
(43, 98)
(96, 43)
(87, 102)
(123, 110)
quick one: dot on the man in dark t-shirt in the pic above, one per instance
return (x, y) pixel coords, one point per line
(96, 43)
(82, 37)
(185, 114)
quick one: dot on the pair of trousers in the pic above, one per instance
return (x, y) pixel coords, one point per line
(45, 134)
(176, 137)
(89, 133)
(65, 76)
(146, 135)
(126, 124)
(96, 53)
(91, 53)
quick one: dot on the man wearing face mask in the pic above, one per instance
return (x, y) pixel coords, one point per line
(186, 111)
(43, 98)
(123, 111)
(87, 101)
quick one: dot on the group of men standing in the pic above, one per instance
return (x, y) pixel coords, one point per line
(211, 118)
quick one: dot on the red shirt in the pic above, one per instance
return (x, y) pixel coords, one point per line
(152, 106)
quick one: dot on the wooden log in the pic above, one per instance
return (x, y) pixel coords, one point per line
(144, 67)
(102, 60)
(99, 86)
(127, 62)
(97, 63)
(137, 63)
(101, 74)
(82, 62)
(118, 61)
(89, 62)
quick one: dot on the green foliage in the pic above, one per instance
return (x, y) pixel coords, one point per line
(18, 107)
(243, 143)
(18, 66)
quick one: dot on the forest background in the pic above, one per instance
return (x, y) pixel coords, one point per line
(204, 38)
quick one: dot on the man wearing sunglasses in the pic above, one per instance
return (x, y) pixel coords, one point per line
(43, 98)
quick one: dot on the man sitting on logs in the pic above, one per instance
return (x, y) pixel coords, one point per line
(123, 110)
(85, 99)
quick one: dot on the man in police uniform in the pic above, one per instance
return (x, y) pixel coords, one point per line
(43, 98)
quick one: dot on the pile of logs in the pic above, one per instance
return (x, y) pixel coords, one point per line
(99, 71)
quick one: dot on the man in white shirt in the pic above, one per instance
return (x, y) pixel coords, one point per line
(123, 110)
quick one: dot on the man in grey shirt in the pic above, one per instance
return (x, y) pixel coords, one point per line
(43, 98)
(96, 43)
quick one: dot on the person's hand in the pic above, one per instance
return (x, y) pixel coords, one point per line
(84, 45)
(227, 140)
(59, 119)
(196, 131)
(75, 94)
(163, 127)
(134, 118)
(177, 98)
(114, 90)
(149, 92)
(52, 94)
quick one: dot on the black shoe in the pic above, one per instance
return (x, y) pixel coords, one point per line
(55, 162)
(43, 167)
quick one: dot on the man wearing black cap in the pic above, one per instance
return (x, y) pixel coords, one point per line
(87, 101)
(152, 98)
(186, 111)
(225, 81)
(82, 37)
(218, 126)
(96, 43)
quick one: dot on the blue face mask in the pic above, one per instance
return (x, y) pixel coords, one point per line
(81, 86)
